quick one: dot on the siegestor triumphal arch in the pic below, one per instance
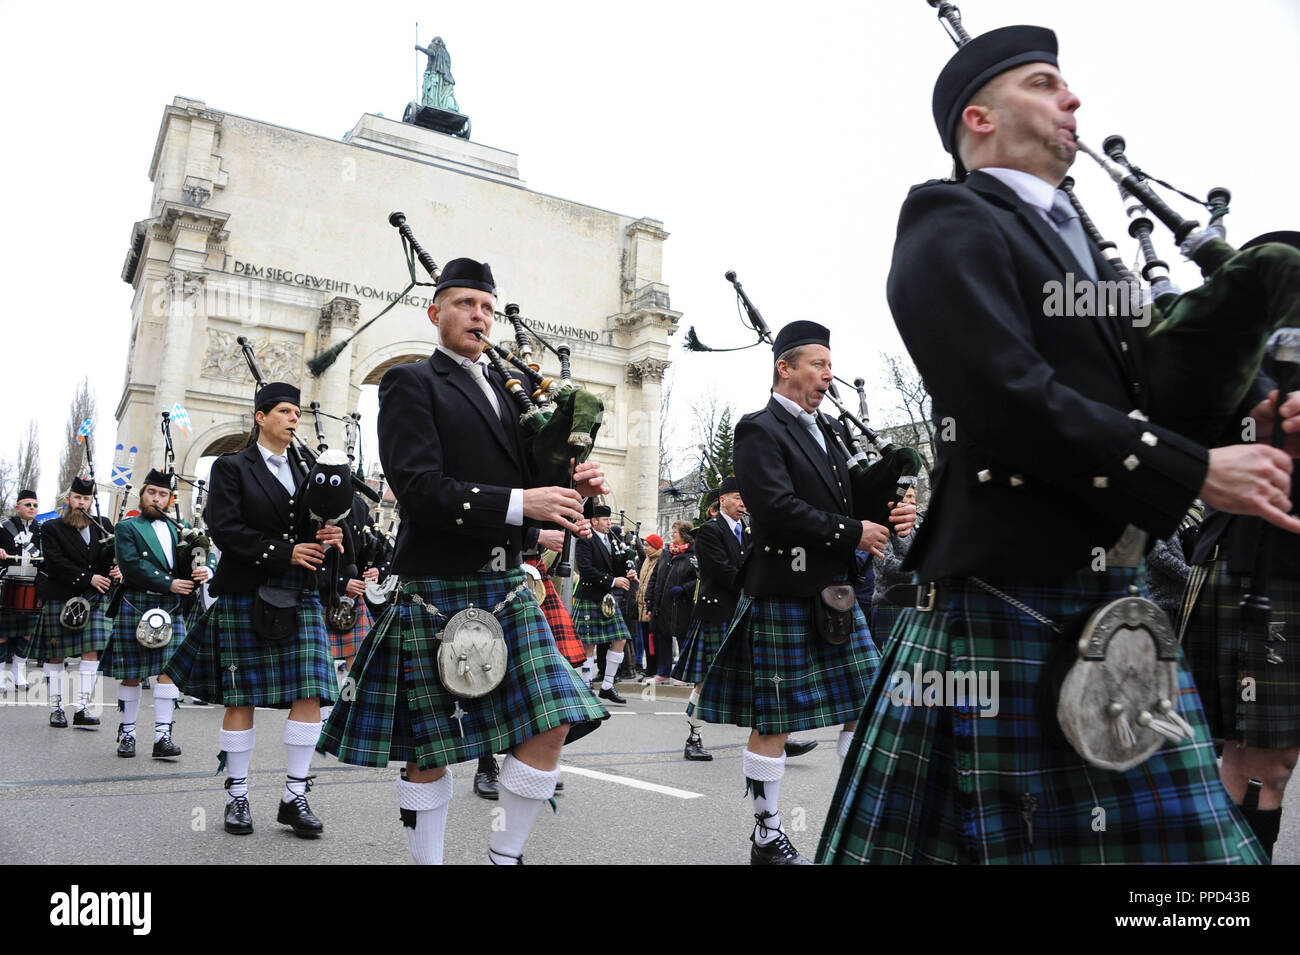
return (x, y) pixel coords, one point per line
(280, 236)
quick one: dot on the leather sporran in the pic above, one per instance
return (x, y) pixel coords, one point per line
(608, 606)
(75, 613)
(275, 613)
(154, 630)
(472, 653)
(343, 617)
(834, 612)
(1117, 702)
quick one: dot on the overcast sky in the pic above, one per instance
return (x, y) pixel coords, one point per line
(774, 139)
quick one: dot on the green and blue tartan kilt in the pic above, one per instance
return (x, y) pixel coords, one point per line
(592, 627)
(16, 627)
(397, 708)
(53, 641)
(943, 784)
(344, 645)
(222, 660)
(883, 617)
(702, 643)
(776, 674)
(1222, 654)
(125, 658)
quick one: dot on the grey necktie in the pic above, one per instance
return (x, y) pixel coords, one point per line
(281, 471)
(1071, 231)
(739, 539)
(479, 373)
(810, 422)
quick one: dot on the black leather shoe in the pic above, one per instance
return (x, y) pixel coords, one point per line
(695, 750)
(298, 815)
(82, 718)
(125, 743)
(612, 695)
(239, 815)
(164, 748)
(796, 747)
(777, 852)
(485, 780)
(58, 717)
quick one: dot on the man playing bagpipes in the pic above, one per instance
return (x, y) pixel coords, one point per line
(462, 664)
(148, 613)
(1091, 746)
(797, 654)
(77, 572)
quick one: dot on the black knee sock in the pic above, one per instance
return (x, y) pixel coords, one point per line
(1265, 822)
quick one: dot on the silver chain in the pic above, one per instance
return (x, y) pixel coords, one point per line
(1013, 602)
(505, 601)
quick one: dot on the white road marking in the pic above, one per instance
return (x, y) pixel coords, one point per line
(633, 783)
(670, 713)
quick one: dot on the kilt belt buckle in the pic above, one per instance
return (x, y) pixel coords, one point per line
(925, 597)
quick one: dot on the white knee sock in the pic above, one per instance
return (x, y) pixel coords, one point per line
(613, 660)
(19, 667)
(299, 743)
(589, 668)
(164, 706)
(842, 745)
(325, 712)
(54, 677)
(763, 776)
(238, 747)
(128, 697)
(424, 814)
(87, 670)
(523, 791)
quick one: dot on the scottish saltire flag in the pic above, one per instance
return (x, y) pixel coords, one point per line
(84, 431)
(123, 467)
(181, 418)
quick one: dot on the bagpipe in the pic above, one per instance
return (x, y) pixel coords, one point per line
(560, 421)
(878, 484)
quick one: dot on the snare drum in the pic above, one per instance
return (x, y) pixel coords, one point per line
(19, 595)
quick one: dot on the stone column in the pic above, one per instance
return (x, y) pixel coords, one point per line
(646, 377)
(183, 303)
(338, 320)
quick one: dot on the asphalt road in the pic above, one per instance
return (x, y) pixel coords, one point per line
(630, 798)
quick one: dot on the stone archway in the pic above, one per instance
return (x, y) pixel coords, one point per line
(370, 368)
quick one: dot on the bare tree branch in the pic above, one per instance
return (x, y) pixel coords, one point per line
(73, 455)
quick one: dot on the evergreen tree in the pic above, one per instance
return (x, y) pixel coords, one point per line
(721, 444)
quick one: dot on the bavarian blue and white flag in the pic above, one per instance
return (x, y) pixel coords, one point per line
(84, 431)
(181, 418)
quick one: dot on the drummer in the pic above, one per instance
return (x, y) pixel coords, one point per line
(20, 537)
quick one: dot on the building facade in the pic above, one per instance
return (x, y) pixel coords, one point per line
(282, 237)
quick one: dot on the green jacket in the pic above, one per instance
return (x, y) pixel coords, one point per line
(143, 563)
